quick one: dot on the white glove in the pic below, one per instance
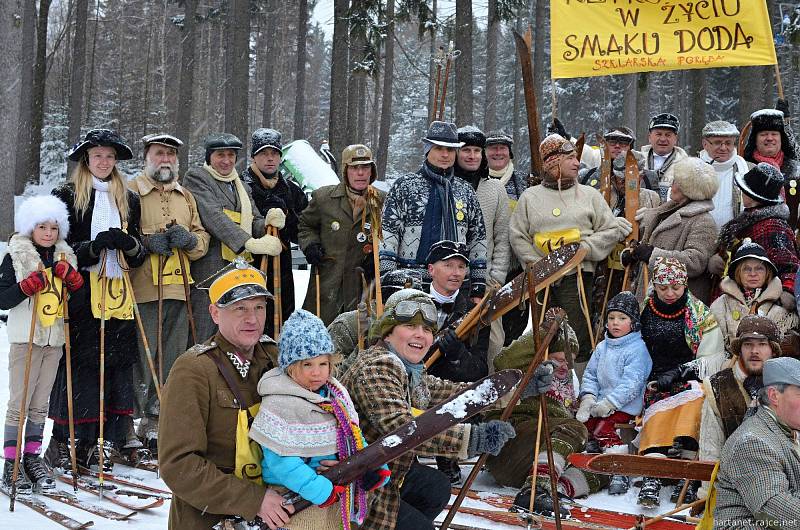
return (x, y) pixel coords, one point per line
(640, 213)
(269, 245)
(625, 227)
(603, 409)
(275, 217)
(585, 408)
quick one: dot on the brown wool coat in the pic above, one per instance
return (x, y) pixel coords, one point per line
(688, 234)
(328, 220)
(197, 436)
(378, 384)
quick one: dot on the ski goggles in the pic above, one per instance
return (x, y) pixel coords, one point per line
(566, 148)
(406, 310)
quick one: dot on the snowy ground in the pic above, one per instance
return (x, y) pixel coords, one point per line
(154, 519)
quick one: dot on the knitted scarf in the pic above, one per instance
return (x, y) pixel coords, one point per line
(104, 216)
(267, 183)
(776, 161)
(349, 440)
(440, 216)
(246, 209)
(413, 370)
(697, 319)
(563, 392)
(505, 174)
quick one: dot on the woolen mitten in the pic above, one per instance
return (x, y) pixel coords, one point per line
(158, 243)
(103, 240)
(783, 106)
(71, 277)
(452, 347)
(603, 409)
(585, 408)
(122, 240)
(541, 381)
(626, 257)
(181, 238)
(716, 265)
(314, 254)
(35, 282)
(639, 215)
(275, 217)
(489, 437)
(788, 301)
(269, 245)
(625, 227)
(334, 496)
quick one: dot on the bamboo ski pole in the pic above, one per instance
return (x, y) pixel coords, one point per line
(138, 317)
(187, 294)
(537, 444)
(276, 287)
(68, 361)
(778, 80)
(100, 441)
(664, 515)
(548, 441)
(23, 406)
(377, 264)
(316, 279)
(438, 60)
(585, 305)
(536, 361)
(160, 325)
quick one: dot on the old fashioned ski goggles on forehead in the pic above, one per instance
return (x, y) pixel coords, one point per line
(566, 148)
(406, 310)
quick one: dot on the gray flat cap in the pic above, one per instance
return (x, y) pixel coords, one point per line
(783, 370)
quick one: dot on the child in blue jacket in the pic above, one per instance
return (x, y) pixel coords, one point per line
(306, 417)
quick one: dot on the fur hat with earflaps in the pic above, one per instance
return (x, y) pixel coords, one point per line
(39, 209)
(768, 120)
(696, 179)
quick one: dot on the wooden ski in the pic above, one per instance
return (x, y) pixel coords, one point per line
(523, 45)
(632, 184)
(579, 145)
(117, 479)
(71, 500)
(605, 175)
(42, 508)
(642, 466)
(115, 495)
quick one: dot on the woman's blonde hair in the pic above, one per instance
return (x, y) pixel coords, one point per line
(81, 177)
(737, 276)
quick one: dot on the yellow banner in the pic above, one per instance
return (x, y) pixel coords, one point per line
(604, 37)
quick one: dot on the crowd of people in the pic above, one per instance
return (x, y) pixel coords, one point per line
(676, 342)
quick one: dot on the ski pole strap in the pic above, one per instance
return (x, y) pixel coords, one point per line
(226, 374)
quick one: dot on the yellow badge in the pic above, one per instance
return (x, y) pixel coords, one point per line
(556, 211)
(50, 304)
(792, 191)
(118, 302)
(736, 314)
(460, 215)
(335, 226)
(459, 205)
(614, 259)
(593, 182)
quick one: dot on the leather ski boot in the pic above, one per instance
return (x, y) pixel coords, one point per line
(24, 486)
(57, 456)
(450, 467)
(691, 491)
(542, 501)
(650, 492)
(619, 485)
(38, 473)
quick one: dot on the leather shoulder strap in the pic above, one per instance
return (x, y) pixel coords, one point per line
(237, 393)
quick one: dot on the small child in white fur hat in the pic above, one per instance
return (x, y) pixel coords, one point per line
(32, 277)
(307, 417)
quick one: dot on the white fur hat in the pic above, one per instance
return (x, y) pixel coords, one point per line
(696, 179)
(38, 209)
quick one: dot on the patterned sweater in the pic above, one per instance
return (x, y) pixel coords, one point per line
(403, 217)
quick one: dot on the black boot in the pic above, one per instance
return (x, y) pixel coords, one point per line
(24, 486)
(542, 502)
(592, 446)
(619, 485)
(39, 474)
(650, 493)
(57, 456)
(691, 491)
(450, 467)
(91, 458)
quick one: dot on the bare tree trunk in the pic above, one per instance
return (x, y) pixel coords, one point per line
(642, 106)
(78, 73)
(750, 95)
(337, 133)
(629, 104)
(146, 80)
(540, 22)
(697, 109)
(386, 103)
(184, 118)
(10, 86)
(515, 118)
(23, 133)
(238, 83)
(270, 64)
(490, 106)
(432, 66)
(39, 77)
(299, 96)
(361, 108)
(90, 90)
(463, 66)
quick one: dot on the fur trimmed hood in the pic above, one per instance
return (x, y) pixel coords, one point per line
(38, 209)
(696, 179)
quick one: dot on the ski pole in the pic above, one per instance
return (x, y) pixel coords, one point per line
(138, 317)
(276, 287)
(23, 406)
(316, 279)
(376, 264)
(185, 278)
(585, 305)
(160, 326)
(68, 361)
(664, 515)
(100, 441)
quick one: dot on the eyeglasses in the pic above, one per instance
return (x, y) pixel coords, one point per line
(406, 310)
(754, 269)
(716, 144)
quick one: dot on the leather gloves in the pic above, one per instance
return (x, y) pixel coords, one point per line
(314, 254)
(269, 245)
(489, 437)
(541, 381)
(35, 282)
(181, 238)
(585, 408)
(641, 252)
(72, 278)
(452, 347)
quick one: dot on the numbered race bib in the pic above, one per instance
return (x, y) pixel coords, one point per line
(227, 253)
(614, 260)
(50, 306)
(248, 452)
(119, 303)
(172, 274)
(547, 242)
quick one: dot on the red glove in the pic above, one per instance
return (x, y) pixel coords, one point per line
(334, 496)
(71, 277)
(35, 282)
(372, 480)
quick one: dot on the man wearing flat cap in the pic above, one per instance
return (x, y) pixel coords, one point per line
(662, 152)
(758, 483)
(432, 205)
(172, 235)
(229, 213)
(719, 150)
(209, 387)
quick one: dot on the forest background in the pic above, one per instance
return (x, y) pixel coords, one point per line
(349, 71)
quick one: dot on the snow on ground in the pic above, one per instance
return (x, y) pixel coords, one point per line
(156, 519)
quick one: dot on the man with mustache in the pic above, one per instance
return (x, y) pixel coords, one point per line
(730, 392)
(170, 224)
(662, 151)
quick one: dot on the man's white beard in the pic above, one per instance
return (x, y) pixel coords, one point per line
(162, 174)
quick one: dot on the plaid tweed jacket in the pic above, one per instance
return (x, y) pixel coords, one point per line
(759, 476)
(379, 387)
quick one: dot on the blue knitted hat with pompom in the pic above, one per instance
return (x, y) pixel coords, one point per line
(303, 336)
